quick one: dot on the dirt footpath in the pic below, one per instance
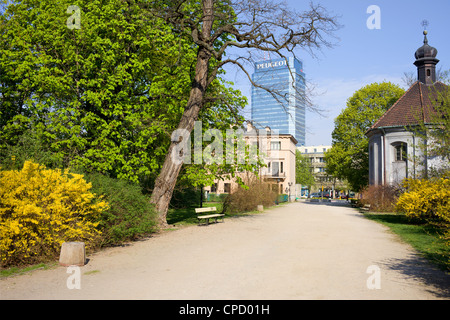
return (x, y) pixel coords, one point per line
(295, 251)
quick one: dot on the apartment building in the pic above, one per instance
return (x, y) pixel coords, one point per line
(325, 182)
(278, 155)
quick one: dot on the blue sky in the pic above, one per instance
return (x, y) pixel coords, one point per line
(363, 56)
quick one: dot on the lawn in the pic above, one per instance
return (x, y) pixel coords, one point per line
(423, 237)
(187, 216)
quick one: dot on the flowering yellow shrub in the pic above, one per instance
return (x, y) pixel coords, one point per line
(40, 209)
(426, 198)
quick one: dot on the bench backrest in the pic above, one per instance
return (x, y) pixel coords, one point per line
(208, 209)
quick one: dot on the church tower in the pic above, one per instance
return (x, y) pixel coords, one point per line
(426, 62)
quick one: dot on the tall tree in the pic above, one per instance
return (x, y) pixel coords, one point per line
(216, 26)
(107, 96)
(349, 156)
(303, 174)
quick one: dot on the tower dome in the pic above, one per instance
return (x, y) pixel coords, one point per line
(426, 62)
(426, 51)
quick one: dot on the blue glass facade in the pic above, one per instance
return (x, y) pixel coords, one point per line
(287, 113)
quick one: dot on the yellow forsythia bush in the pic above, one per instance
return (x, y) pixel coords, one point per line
(426, 198)
(40, 209)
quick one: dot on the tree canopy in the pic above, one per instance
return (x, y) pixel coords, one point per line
(105, 97)
(303, 174)
(349, 156)
(106, 91)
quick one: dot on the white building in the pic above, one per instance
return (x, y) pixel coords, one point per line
(396, 149)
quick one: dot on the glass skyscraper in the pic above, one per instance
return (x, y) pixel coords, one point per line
(283, 108)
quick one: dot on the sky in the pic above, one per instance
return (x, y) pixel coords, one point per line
(362, 55)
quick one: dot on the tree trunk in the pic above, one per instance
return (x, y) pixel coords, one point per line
(165, 183)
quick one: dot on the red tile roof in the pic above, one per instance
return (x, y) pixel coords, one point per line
(414, 107)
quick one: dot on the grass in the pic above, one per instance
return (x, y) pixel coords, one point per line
(187, 216)
(424, 237)
(21, 270)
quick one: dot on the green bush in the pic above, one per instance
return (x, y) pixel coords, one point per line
(130, 214)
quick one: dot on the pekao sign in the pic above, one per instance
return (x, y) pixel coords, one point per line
(274, 64)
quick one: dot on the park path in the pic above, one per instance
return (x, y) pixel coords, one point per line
(295, 251)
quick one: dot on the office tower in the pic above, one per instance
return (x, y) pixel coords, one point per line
(285, 111)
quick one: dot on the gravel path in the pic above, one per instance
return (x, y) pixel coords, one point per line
(295, 251)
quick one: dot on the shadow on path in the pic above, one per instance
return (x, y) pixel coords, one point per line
(334, 203)
(417, 268)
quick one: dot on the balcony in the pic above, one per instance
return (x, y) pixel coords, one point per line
(275, 175)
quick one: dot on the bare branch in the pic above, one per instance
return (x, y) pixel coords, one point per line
(214, 26)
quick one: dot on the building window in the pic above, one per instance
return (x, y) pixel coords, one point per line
(275, 145)
(227, 187)
(400, 152)
(214, 187)
(277, 168)
(306, 150)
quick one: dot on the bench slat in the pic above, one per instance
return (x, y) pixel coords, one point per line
(208, 209)
(210, 216)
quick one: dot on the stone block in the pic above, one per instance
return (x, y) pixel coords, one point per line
(72, 254)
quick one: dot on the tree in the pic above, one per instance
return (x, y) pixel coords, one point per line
(439, 135)
(349, 156)
(214, 27)
(105, 97)
(303, 173)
